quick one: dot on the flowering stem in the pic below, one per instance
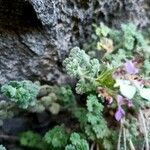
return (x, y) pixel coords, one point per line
(119, 138)
(145, 130)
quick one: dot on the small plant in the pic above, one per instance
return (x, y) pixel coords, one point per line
(23, 93)
(33, 140)
(57, 137)
(119, 86)
(96, 124)
(6, 110)
(54, 99)
(125, 43)
(115, 89)
(77, 143)
(81, 66)
(36, 98)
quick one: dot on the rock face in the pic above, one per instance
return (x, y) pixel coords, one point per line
(36, 35)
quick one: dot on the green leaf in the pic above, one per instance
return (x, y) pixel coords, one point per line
(54, 108)
(145, 93)
(126, 89)
(93, 105)
(96, 127)
(65, 95)
(32, 140)
(105, 79)
(70, 147)
(77, 143)
(23, 93)
(81, 66)
(57, 137)
(103, 30)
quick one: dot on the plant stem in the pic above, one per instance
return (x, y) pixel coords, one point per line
(145, 129)
(92, 146)
(131, 145)
(124, 139)
(97, 147)
(119, 138)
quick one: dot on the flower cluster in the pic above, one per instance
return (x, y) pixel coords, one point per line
(130, 84)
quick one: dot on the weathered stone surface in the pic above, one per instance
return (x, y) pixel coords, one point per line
(15, 125)
(36, 35)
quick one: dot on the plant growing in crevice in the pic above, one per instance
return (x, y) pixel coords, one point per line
(117, 90)
(77, 143)
(22, 93)
(54, 99)
(30, 139)
(34, 97)
(57, 137)
(79, 65)
(122, 87)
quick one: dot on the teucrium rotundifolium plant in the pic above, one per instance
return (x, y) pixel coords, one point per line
(116, 89)
(118, 78)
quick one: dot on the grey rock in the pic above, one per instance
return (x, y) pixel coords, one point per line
(15, 126)
(36, 35)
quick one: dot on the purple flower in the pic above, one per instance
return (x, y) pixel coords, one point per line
(130, 67)
(119, 113)
(130, 104)
(122, 101)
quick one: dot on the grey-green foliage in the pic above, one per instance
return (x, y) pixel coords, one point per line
(117, 59)
(80, 114)
(147, 66)
(91, 120)
(81, 66)
(96, 127)
(53, 98)
(2, 147)
(103, 30)
(129, 38)
(127, 41)
(48, 100)
(132, 125)
(23, 93)
(77, 143)
(65, 95)
(33, 140)
(57, 137)
(129, 35)
(6, 110)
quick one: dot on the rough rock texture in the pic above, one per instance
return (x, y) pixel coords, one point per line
(36, 35)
